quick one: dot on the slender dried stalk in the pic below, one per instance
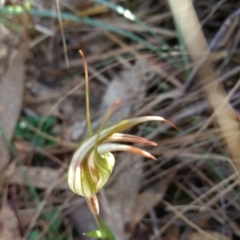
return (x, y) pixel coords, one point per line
(195, 41)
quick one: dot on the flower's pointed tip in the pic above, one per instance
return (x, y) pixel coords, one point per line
(81, 52)
(161, 119)
(148, 155)
(170, 123)
(152, 157)
(154, 144)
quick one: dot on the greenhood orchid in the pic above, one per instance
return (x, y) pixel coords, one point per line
(93, 161)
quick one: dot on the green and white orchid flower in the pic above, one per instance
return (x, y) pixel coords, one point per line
(93, 161)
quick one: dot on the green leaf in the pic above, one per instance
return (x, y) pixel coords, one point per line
(95, 234)
(104, 233)
(20, 130)
(56, 224)
(49, 122)
(107, 231)
(32, 119)
(46, 124)
(37, 141)
(34, 234)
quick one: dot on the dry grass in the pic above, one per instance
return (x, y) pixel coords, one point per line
(191, 191)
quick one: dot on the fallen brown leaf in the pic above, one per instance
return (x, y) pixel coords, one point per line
(9, 229)
(38, 176)
(128, 86)
(122, 193)
(150, 198)
(11, 96)
(26, 215)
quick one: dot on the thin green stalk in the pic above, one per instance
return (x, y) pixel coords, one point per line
(62, 34)
(96, 217)
(88, 114)
(98, 222)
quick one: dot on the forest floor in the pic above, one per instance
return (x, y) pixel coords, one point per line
(135, 52)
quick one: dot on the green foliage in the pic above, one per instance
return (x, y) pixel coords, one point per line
(109, 234)
(23, 132)
(34, 234)
(104, 233)
(95, 234)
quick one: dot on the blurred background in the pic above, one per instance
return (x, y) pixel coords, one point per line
(154, 56)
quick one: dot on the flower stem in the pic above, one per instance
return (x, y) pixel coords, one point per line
(89, 125)
(93, 206)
